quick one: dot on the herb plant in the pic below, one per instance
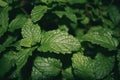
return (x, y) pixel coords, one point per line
(59, 40)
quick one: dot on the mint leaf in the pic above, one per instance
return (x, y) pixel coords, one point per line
(60, 14)
(17, 23)
(102, 37)
(103, 65)
(3, 3)
(59, 42)
(114, 14)
(70, 15)
(7, 62)
(92, 69)
(21, 60)
(45, 68)
(118, 58)
(26, 42)
(83, 66)
(4, 20)
(67, 74)
(77, 1)
(31, 31)
(109, 78)
(50, 1)
(38, 12)
(69, 12)
(7, 43)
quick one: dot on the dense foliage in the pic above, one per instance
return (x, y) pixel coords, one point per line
(59, 40)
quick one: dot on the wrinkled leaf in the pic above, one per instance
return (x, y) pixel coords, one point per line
(32, 32)
(103, 65)
(92, 69)
(102, 37)
(83, 66)
(59, 42)
(45, 68)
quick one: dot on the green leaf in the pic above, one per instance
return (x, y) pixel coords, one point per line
(7, 62)
(46, 1)
(60, 14)
(38, 12)
(102, 37)
(4, 20)
(114, 14)
(26, 42)
(59, 42)
(68, 13)
(21, 60)
(109, 78)
(45, 68)
(17, 23)
(3, 3)
(107, 23)
(7, 43)
(85, 20)
(71, 16)
(118, 58)
(83, 66)
(50, 1)
(79, 33)
(32, 32)
(77, 1)
(92, 69)
(103, 65)
(67, 74)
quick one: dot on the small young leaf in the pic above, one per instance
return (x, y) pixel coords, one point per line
(59, 13)
(71, 16)
(59, 42)
(45, 68)
(26, 42)
(67, 74)
(38, 12)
